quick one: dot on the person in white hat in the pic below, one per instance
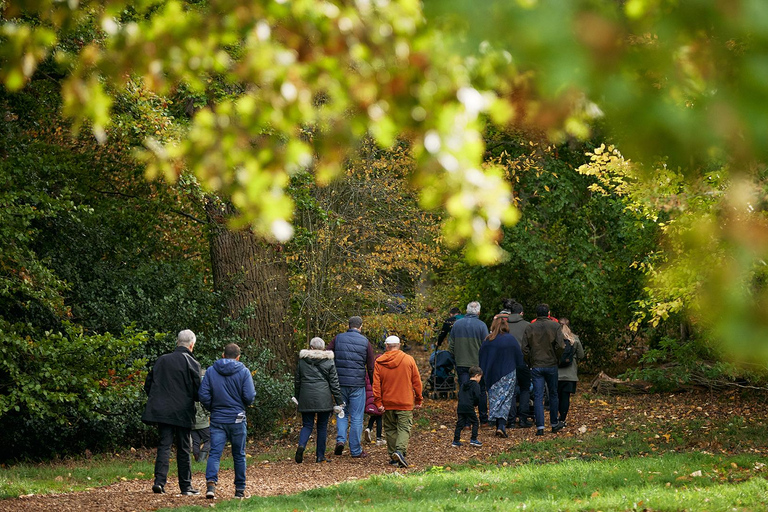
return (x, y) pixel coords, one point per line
(396, 392)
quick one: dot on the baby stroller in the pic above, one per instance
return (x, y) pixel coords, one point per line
(442, 381)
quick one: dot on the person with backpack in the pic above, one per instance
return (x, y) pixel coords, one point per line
(567, 375)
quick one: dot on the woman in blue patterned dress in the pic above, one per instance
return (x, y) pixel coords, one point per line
(500, 355)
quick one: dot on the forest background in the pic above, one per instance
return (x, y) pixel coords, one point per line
(259, 171)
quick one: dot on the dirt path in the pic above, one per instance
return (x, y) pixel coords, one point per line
(430, 445)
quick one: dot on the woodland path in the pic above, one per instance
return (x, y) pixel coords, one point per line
(429, 446)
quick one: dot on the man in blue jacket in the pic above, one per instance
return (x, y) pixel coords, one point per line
(354, 356)
(227, 389)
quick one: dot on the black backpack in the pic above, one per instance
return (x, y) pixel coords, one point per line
(566, 358)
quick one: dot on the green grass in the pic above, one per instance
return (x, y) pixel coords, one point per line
(79, 475)
(668, 482)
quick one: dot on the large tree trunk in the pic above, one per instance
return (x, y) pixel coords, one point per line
(253, 276)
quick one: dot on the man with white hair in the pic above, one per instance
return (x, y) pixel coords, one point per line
(172, 386)
(396, 392)
(464, 343)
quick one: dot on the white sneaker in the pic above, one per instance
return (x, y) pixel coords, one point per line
(380, 442)
(367, 436)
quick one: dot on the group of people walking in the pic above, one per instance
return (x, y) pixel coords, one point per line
(496, 369)
(336, 379)
(173, 386)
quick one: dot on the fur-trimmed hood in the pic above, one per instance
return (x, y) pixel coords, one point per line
(315, 354)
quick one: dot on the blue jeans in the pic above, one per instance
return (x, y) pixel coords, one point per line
(236, 434)
(353, 416)
(307, 422)
(539, 376)
(462, 372)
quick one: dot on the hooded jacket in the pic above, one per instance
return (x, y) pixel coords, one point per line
(465, 339)
(396, 382)
(538, 340)
(172, 387)
(226, 391)
(316, 384)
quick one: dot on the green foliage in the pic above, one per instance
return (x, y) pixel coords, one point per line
(64, 386)
(674, 363)
(572, 249)
(294, 84)
(274, 390)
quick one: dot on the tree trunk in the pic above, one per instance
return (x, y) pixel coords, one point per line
(253, 276)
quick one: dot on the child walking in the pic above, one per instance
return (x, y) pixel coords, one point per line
(374, 416)
(469, 398)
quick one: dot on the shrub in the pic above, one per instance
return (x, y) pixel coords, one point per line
(63, 392)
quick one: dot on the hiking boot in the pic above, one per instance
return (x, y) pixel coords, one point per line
(210, 490)
(299, 458)
(190, 492)
(360, 455)
(557, 427)
(240, 493)
(539, 431)
(397, 456)
(380, 441)
(500, 433)
(339, 449)
(456, 444)
(367, 435)
(322, 459)
(525, 424)
(158, 489)
(475, 442)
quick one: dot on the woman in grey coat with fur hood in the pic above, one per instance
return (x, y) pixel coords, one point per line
(316, 388)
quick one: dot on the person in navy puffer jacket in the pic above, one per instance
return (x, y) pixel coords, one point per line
(227, 389)
(354, 357)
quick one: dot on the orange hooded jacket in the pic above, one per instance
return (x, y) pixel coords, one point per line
(396, 382)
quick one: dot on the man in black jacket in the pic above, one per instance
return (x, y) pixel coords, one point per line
(540, 343)
(172, 387)
(448, 325)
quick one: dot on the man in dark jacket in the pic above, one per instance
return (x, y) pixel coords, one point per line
(517, 327)
(448, 325)
(464, 343)
(171, 387)
(226, 391)
(354, 356)
(539, 351)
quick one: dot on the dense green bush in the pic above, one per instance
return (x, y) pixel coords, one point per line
(573, 249)
(63, 392)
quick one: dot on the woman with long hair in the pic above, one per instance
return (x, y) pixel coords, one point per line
(567, 377)
(500, 355)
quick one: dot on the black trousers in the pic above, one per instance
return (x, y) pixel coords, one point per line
(564, 391)
(169, 434)
(464, 420)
